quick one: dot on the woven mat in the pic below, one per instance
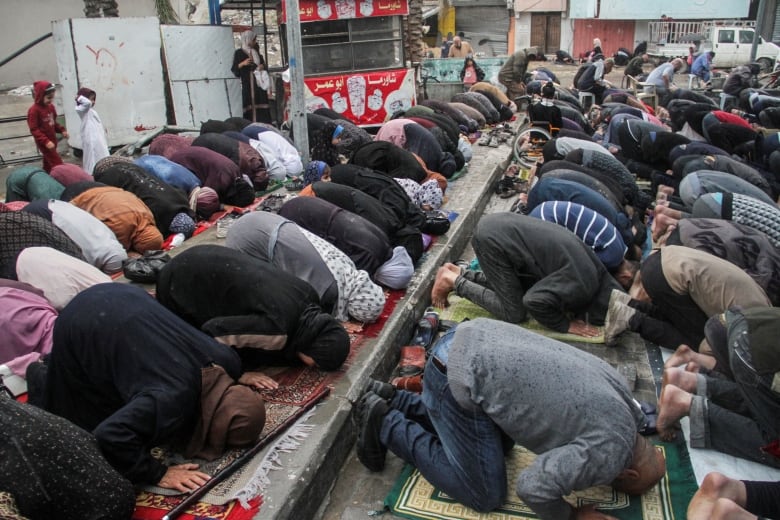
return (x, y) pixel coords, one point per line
(298, 386)
(460, 309)
(413, 497)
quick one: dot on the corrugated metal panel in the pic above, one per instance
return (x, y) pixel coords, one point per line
(582, 8)
(540, 6)
(700, 9)
(487, 24)
(119, 58)
(612, 33)
(776, 30)
(202, 84)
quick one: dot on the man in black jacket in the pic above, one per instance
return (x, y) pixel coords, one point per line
(532, 267)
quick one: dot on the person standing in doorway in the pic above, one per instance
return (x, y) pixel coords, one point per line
(249, 65)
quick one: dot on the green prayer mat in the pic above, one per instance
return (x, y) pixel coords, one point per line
(458, 174)
(413, 497)
(460, 309)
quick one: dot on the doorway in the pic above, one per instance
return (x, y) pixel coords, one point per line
(546, 31)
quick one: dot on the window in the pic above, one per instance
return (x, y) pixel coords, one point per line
(360, 44)
(745, 36)
(726, 37)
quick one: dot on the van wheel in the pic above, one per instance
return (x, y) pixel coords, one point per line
(765, 64)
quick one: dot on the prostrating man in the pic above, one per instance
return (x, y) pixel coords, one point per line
(732, 403)
(269, 316)
(676, 290)
(532, 267)
(488, 383)
(135, 375)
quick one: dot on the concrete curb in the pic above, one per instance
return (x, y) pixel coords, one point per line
(307, 475)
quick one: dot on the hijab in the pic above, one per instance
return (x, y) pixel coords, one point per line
(246, 45)
(27, 321)
(59, 276)
(397, 272)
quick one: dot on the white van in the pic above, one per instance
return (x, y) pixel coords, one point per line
(732, 47)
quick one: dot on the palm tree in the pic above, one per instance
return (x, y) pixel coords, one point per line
(415, 49)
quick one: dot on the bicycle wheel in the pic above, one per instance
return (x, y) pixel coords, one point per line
(528, 156)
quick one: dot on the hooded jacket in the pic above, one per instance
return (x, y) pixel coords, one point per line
(42, 119)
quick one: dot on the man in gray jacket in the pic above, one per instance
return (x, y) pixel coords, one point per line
(488, 384)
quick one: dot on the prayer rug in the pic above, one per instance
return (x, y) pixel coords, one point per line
(151, 506)
(461, 308)
(413, 497)
(297, 387)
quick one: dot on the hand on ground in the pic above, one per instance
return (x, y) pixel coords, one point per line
(580, 328)
(258, 380)
(183, 478)
(352, 327)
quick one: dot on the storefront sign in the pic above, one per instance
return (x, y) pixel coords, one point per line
(364, 98)
(317, 11)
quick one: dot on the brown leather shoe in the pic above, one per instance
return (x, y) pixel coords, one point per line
(411, 384)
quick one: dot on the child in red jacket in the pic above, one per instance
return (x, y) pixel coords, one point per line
(42, 120)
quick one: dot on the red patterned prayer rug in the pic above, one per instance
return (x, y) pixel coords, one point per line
(151, 506)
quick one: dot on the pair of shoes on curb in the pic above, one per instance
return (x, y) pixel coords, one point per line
(486, 139)
(619, 313)
(370, 412)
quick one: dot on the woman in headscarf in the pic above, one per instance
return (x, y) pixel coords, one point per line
(170, 207)
(31, 183)
(97, 242)
(426, 196)
(203, 201)
(363, 242)
(270, 317)
(33, 446)
(217, 172)
(316, 171)
(388, 158)
(382, 188)
(68, 173)
(168, 144)
(125, 214)
(27, 320)
(324, 136)
(136, 376)
(20, 230)
(248, 160)
(61, 277)
(351, 199)
(247, 65)
(345, 291)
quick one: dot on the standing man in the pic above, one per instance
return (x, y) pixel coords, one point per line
(488, 384)
(512, 73)
(460, 49)
(445, 45)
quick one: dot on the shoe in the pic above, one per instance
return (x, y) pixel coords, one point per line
(485, 140)
(427, 328)
(651, 419)
(617, 320)
(384, 390)
(412, 361)
(619, 296)
(370, 450)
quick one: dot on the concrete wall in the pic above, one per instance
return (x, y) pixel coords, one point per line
(23, 21)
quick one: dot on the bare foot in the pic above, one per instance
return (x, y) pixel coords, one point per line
(693, 367)
(680, 378)
(681, 356)
(661, 222)
(673, 405)
(665, 236)
(444, 284)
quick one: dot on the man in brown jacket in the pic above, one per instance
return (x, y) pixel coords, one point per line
(460, 49)
(676, 290)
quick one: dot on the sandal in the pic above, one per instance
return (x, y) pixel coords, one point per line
(426, 329)
(412, 361)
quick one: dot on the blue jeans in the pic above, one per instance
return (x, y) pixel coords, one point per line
(460, 452)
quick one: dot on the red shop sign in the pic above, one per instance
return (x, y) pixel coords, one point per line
(363, 97)
(319, 10)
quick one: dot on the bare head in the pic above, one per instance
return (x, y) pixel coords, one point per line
(678, 64)
(647, 468)
(457, 41)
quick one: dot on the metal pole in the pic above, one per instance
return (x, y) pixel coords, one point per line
(760, 16)
(20, 51)
(297, 98)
